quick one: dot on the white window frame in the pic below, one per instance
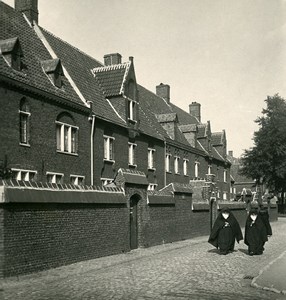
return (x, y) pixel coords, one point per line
(132, 154)
(151, 158)
(224, 195)
(108, 148)
(224, 175)
(168, 162)
(176, 164)
(26, 173)
(66, 141)
(185, 166)
(197, 165)
(152, 186)
(76, 179)
(27, 115)
(209, 169)
(54, 177)
(131, 110)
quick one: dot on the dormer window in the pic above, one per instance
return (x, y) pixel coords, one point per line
(12, 52)
(131, 89)
(53, 68)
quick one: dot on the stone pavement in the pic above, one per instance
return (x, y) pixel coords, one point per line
(190, 269)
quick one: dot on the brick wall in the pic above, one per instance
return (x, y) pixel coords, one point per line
(41, 236)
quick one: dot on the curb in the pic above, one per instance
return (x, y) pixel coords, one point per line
(272, 289)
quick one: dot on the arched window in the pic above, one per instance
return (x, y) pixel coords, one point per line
(24, 116)
(66, 134)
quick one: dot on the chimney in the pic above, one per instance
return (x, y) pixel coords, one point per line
(195, 110)
(163, 91)
(112, 59)
(29, 8)
(230, 153)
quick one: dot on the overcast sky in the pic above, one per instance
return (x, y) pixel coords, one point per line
(228, 55)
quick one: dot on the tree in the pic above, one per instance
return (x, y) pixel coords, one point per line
(266, 161)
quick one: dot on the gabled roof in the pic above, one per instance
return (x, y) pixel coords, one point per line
(13, 24)
(50, 65)
(165, 118)
(8, 45)
(176, 187)
(188, 128)
(218, 138)
(112, 78)
(131, 176)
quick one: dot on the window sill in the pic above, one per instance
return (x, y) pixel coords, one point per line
(111, 161)
(151, 169)
(25, 145)
(132, 121)
(131, 165)
(168, 172)
(68, 153)
(186, 175)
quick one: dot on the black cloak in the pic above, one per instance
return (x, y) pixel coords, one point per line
(263, 212)
(255, 234)
(222, 235)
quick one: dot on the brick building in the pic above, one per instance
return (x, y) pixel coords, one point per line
(99, 164)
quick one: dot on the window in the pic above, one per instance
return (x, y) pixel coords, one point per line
(209, 169)
(55, 177)
(152, 186)
(54, 70)
(176, 164)
(131, 154)
(151, 158)
(106, 181)
(197, 169)
(24, 122)
(224, 196)
(25, 175)
(185, 166)
(224, 175)
(12, 52)
(167, 162)
(77, 180)
(108, 148)
(66, 137)
(131, 110)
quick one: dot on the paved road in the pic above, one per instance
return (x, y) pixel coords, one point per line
(189, 269)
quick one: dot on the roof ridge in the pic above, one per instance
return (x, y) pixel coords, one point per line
(111, 67)
(65, 42)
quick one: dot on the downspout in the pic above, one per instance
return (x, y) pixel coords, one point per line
(92, 119)
(165, 175)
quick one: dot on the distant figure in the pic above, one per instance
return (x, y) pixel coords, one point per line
(263, 212)
(255, 233)
(224, 232)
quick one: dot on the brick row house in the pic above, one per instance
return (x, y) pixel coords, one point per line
(71, 122)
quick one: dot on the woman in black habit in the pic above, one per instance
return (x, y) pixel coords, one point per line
(225, 231)
(255, 233)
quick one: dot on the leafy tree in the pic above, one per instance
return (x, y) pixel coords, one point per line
(266, 161)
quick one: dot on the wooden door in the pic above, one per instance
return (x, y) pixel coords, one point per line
(133, 223)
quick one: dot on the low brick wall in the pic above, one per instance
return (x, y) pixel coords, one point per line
(42, 229)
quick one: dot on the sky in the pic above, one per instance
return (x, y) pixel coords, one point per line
(228, 55)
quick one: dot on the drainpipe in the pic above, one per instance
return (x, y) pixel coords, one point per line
(165, 175)
(92, 119)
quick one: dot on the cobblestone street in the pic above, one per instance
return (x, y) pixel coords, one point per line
(189, 269)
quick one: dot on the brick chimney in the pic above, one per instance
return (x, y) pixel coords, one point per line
(195, 110)
(29, 8)
(112, 59)
(230, 153)
(163, 91)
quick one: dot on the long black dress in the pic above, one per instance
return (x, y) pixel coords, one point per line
(225, 232)
(263, 212)
(255, 235)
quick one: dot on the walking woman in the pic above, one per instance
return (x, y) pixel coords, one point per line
(225, 231)
(255, 233)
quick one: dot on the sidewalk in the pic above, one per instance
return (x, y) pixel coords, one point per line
(273, 276)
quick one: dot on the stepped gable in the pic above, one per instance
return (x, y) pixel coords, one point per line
(14, 25)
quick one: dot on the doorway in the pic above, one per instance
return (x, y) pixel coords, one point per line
(133, 217)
